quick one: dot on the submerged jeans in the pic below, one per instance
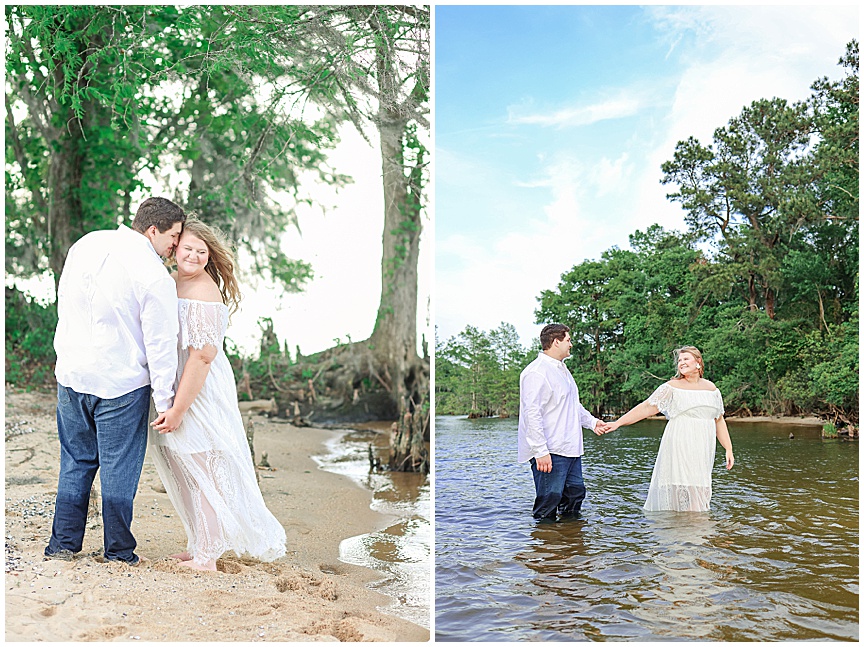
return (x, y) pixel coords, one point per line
(562, 490)
(95, 433)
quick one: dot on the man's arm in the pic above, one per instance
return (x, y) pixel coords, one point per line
(195, 373)
(534, 395)
(160, 326)
(588, 421)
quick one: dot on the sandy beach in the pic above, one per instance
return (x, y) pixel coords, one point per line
(309, 595)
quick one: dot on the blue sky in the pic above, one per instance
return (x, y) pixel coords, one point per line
(552, 122)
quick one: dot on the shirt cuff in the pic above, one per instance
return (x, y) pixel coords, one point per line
(537, 452)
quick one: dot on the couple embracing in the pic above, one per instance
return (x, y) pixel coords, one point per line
(127, 331)
(551, 419)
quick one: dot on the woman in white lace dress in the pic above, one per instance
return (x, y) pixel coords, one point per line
(681, 480)
(199, 445)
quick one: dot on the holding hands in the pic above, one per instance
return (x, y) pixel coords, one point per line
(604, 427)
(168, 421)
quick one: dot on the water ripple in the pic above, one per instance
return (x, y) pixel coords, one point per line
(775, 559)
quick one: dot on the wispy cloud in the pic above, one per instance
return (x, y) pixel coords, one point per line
(509, 270)
(577, 115)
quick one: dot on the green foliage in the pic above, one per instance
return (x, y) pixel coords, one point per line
(623, 311)
(764, 281)
(477, 372)
(99, 95)
(29, 340)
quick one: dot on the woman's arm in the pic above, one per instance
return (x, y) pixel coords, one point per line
(637, 413)
(194, 373)
(725, 440)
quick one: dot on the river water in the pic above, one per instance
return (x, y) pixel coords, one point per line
(402, 551)
(775, 559)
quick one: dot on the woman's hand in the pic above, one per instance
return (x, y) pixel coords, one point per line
(168, 421)
(611, 426)
(730, 459)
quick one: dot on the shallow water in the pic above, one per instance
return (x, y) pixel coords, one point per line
(776, 558)
(402, 551)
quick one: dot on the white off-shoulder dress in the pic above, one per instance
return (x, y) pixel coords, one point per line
(206, 464)
(681, 480)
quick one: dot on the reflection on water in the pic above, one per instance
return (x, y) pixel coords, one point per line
(401, 551)
(776, 557)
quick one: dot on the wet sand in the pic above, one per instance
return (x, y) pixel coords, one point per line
(306, 596)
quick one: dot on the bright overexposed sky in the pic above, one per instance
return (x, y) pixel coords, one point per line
(342, 242)
(343, 245)
(552, 123)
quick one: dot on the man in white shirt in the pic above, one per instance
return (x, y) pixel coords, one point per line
(550, 428)
(116, 343)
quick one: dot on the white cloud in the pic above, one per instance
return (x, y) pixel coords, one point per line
(741, 54)
(458, 171)
(609, 176)
(484, 281)
(624, 105)
(723, 58)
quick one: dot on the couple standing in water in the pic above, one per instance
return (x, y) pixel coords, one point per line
(551, 419)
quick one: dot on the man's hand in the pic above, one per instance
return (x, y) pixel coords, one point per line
(168, 421)
(612, 426)
(601, 428)
(544, 463)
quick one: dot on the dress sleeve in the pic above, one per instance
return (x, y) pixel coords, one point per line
(202, 324)
(721, 408)
(662, 399)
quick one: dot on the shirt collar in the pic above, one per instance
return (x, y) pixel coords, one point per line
(139, 238)
(551, 360)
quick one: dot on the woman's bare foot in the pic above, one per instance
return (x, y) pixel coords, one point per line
(182, 557)
(209, 566)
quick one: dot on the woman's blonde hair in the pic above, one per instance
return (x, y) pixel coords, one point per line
(695, 352)
(220, 265)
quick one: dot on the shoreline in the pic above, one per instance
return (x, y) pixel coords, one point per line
(402, 550)
(309, 595)
(802, 421)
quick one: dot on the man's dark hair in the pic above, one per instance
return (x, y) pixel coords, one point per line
(157, 211)
(552, 332)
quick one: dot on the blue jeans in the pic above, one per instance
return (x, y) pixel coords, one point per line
(95, 433)
(562, 490)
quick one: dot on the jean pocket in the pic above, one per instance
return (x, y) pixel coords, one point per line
(127, 399)
(63, 397)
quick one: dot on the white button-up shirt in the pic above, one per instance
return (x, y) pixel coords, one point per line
(118, 322)
(550, 414)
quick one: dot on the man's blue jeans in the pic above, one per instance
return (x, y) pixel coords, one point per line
(562, 490)
(95, 433)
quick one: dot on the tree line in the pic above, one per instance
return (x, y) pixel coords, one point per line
(764, 280)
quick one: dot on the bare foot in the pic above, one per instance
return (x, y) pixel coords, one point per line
(209, 566)
(183, 557)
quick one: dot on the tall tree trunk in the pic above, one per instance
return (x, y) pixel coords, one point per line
(751, 292)
(65, 214)
(396, 325)
(394, 339)
(770, 301)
